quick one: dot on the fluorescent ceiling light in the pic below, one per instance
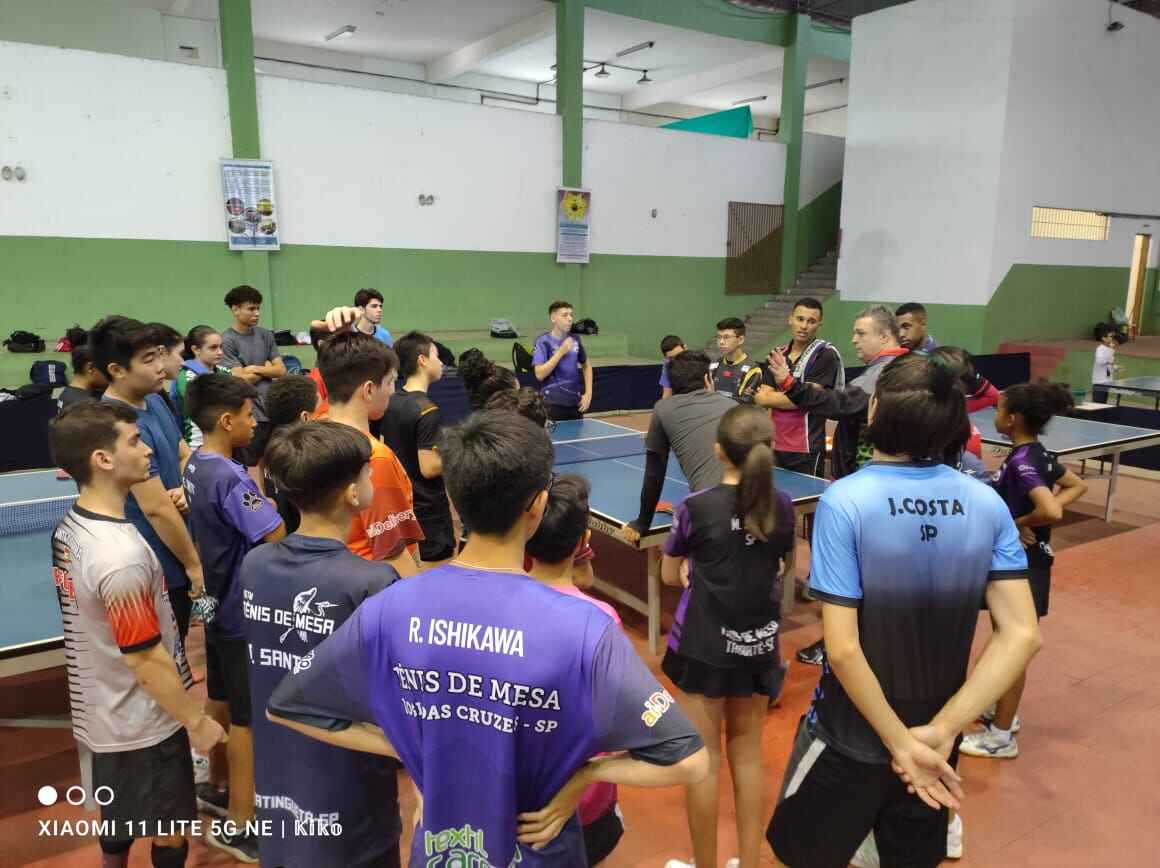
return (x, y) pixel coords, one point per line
(344, 32)
(639, 47)
(749, 99)
(825, 83)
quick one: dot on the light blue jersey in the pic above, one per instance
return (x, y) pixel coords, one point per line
(912, 547)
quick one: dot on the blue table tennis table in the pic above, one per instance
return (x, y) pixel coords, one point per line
(1146, 386)
(612, 459)
(1079, 440)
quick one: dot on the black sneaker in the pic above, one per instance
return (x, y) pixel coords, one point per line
(211, 800)
(813, 654)
(244, 848)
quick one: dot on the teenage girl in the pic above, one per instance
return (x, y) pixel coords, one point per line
(1028, 482)
(87, 382)
(203, 351)
(723, 650)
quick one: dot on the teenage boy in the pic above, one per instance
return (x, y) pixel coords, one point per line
(562, 367)
(411, 428)
(735, 375)
(912, 328)
(671, 347)
(370, 323)
(685, 423)
(229, 517)
(131, 715)
(1104, 367)
(799, 437)
(127, 353)
(492, 689)
(290, 400)
(360, 374)
(250, 352)
(295, 594)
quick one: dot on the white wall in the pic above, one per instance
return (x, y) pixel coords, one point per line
(115, 147)
(830, 123)
(689, 178)
(1083, 128)
(823, 158)
(351, 164)
(928, 103)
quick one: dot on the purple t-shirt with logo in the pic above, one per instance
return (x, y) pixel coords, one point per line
(494, 690)
(564, 386)
(228, 516)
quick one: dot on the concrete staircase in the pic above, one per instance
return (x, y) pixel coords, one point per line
(768, 322)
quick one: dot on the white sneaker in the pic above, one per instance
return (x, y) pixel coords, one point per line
(200, 768)
(986, 743)
(677, 863)
(988, 718)
(955, 838)
(867, 855)
(735, 862)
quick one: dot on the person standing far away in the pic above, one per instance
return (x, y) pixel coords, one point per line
(671, 347)
(562, 366)
(371, 321)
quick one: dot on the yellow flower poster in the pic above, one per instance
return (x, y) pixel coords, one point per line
(573, 224)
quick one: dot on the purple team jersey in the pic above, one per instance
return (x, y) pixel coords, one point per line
(229, 516)
(494, 690)
(564, 386)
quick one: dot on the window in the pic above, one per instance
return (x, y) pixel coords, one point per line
(1069, 224)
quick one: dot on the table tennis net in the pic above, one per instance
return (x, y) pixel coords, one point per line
(597, 448)
(33, 516)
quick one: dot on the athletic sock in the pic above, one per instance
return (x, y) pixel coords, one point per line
(1004, 735)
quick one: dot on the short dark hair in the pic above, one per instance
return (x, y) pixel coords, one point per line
(494, 464)
(921, 410)
(82, 356)
(196, 338)
(687, 371)
(319, 335)
(1038, 402)
(408, 348)
(311, 462)
(670, 343)
(557, 305)
(244, 294)
(350, 359)
(211, 396)
(364, 295)
(81, 429)
(911, 307)
(809, 302)
(732, 323)
(117, 339)
(882, 318)
(528, 402)
(288, 397)
(963, 364)
(167, 336)
(564, 523)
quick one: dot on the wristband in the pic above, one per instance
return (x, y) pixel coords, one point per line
(787, 383)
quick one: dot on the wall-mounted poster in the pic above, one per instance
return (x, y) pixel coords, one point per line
(573, 216)
(251, 210)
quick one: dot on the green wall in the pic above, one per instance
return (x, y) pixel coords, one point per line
(818, 224)
(51, 283)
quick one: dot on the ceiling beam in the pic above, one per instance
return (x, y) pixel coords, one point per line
(678, 88)
(509, 39)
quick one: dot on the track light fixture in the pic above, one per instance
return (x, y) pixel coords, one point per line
(602, 72)
(644, 79)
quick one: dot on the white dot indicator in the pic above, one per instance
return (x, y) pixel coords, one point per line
(47, 796)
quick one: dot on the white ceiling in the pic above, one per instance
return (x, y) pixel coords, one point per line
(691, 70)
(415, 31)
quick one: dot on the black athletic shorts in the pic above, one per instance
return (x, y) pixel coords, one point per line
(830, 802)
(182, 607)
(142, 793)
(602, 835)
(439, 539)
(561, 413)
(226, 677)
(717, 682)
(1040, 579)
(252, 454)
(809, 463)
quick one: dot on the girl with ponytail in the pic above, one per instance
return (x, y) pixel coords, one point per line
(87, 382)
(1037, 488)
(724, 650)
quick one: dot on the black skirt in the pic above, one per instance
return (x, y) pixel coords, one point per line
(714, 682)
